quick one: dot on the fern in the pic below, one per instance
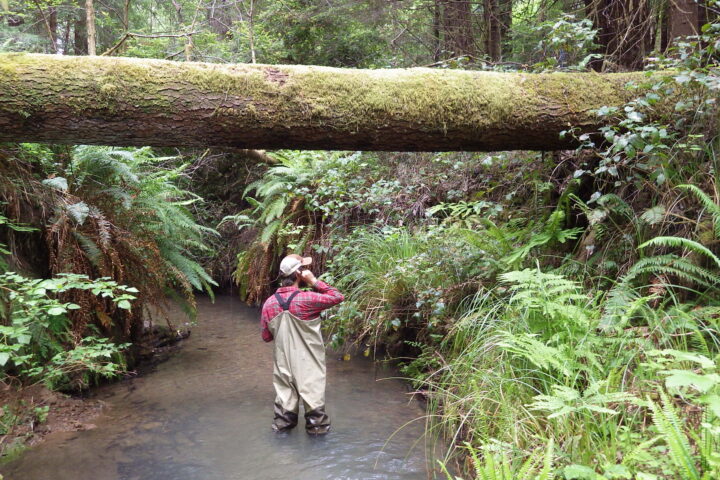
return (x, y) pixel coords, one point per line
(551, 233)
(93, 253)
(679, 242)
(670, 264)
(668, 423)
(274, 210)
(711, 206)
(498, 466)
(536, 352)
(270, 230)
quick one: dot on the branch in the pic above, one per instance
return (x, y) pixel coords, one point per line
(128, 35)
(47, 26)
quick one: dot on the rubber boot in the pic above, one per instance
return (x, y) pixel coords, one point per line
(284, 419)
(317, 422)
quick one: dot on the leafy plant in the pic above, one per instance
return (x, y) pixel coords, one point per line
(35, 335)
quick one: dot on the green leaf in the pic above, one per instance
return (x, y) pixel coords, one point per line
(645, 476)
(58, 183)
(54, 311)
(124, 304)
(686, 378)
(653, 215)
(713, 402)
(4, 357)
(579, 472)
(617, 471)
(79, 212)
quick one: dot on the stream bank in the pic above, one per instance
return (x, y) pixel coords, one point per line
(206, 413)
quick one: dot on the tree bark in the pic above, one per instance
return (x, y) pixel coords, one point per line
(437, 39)
(684, 18)
(493, 30)
(506, 11)
(80, 30)
(625, 33)
(457, 27)
(218, 17)
(90, 18)
(122, 101)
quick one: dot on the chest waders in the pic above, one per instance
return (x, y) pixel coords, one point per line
(298, 370)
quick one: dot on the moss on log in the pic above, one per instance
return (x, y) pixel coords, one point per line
(125, 101)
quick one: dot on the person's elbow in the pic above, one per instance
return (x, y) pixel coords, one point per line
(337, 298)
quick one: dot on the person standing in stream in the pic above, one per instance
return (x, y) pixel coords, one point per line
(291, 317)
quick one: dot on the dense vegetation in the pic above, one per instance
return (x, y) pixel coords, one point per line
(558, 310)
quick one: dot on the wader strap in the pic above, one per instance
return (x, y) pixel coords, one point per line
(285, 304)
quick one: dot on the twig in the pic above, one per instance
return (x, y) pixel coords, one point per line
(47, 26)
(128, 35)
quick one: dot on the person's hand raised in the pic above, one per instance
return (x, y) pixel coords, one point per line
(308, 277)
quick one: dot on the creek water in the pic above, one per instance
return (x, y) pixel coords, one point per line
(205, 414)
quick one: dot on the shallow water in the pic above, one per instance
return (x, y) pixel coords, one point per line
(205, 414)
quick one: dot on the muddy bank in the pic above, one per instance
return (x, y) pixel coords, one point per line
(206, 413)
(34, 412)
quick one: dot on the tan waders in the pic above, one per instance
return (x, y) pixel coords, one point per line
(299, 370)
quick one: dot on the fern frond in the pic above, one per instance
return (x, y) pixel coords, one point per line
(270, 230)
(92, 252)
(274, 210)
(668, 423)
(710, 205)
(685, 243)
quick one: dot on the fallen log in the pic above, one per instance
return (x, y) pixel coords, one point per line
(130, 101)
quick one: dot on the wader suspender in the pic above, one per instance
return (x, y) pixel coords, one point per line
(299, 371)
(285, 304)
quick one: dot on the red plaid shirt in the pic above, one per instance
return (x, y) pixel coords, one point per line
(305, 305)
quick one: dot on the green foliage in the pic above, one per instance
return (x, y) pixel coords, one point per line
(556, 371)
(669, 426)
(35, 339)
(566, 44)
(4, 222)
(346, 32)
(493, 465)
(126, 214)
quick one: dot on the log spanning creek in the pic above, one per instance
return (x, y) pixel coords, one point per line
(205, 414)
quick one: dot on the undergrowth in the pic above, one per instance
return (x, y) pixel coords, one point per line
(558, 312)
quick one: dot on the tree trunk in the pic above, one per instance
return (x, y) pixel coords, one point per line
(684, 19)
(53, 26)
(457, 27)
(437, 39)
(80, 30)
(218, 16)
(493, 30)
(122, 101)
(625, 33)
(90, 17)
(505, 23)
(251, 31)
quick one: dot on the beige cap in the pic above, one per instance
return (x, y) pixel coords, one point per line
(292, 263)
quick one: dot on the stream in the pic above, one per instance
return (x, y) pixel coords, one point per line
(205, 414)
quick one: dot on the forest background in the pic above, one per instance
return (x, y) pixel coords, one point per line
(558, 310)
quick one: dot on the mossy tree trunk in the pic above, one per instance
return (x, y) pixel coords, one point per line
(120, 101)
